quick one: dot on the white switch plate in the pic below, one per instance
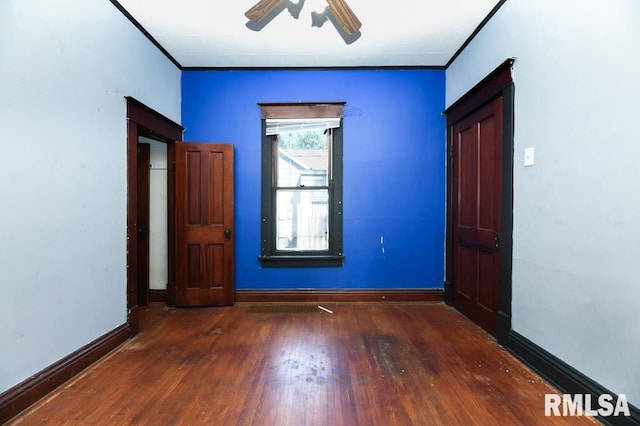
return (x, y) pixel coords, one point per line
(528, 156)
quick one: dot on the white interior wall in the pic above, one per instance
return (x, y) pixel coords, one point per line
(576, 291)
(158, 222)
(65, 69)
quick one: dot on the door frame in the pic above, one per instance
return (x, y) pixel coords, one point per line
(498, 83)
(144, 121)
(143, 215)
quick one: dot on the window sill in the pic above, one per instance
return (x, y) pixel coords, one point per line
(301, 261)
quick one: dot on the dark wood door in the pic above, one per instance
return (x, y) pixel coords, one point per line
(204, 224)
(142, 231)
(476, 206)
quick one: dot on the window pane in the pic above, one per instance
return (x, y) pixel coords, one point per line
(303, 159)
(303, 220)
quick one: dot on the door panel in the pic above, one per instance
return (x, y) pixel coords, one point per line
(476, 194)
(467, 175)
(466, 276)
(204, 222)
(486, 293)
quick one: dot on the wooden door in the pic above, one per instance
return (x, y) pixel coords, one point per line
(142, 231)
(476, 208)
(204, 224)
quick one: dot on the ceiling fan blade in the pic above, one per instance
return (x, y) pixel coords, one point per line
(262, 9)
(345, 16)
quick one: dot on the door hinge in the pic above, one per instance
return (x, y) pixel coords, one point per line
(173, 168)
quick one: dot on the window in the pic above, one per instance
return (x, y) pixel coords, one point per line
(302, 184)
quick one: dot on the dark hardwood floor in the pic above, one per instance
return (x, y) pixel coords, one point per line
(365, 364)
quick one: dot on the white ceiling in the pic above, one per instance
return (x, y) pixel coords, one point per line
(216, 33)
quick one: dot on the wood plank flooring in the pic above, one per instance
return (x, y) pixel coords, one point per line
(365, 364)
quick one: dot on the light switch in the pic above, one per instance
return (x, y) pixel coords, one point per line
(528, 156)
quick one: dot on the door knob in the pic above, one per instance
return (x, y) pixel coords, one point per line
(227, 233)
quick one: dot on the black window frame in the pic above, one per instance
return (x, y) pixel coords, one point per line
(270, 256)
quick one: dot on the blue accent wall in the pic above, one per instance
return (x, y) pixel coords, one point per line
(394, 169)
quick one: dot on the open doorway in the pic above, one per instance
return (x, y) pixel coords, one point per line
(152, 231)
(143, 122)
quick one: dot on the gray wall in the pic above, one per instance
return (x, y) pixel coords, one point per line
(576, 267)
(65, 68)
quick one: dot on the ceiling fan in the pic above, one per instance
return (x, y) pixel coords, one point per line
(338, 8)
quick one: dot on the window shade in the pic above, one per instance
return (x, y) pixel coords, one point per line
(291, 125)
